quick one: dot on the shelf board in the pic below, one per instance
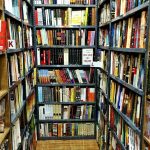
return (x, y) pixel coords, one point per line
(67, 137)
(131, 12)
(17, 115)
(2, 53)
(66, 120)
(29, 72)
(67, 103)
(27, 24)
(3, 93)
(31, 114)
(147, 140)
(62, 6)
(104, 116)
(63, 66)
(29, 48)
(29, 3)
(65, 27)
(3, 135)
(10, 51)
(118, 141)
(104, 24)
(104, 47)
(104, 71)
(128, 50)
(12, 16)
(66, 84)
(129, 86)
(30, 93)
(63, 46)
(103, 93)
(16, 83)
(101, 3)
(127, 120)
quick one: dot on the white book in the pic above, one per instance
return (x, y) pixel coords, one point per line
(83, 94)
(66, 56)
(8, 5)
(38, 56)
(87, 56)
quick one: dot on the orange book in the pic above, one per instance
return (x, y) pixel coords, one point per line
(91, 94)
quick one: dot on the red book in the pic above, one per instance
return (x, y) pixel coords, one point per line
(36, 17)
(2, 35)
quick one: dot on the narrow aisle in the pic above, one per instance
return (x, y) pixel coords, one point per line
(67, 145)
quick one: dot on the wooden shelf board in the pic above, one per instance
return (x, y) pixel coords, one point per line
(147, 140)
(3, 135)
(3, 93)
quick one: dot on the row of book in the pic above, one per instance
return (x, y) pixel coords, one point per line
(65, 17)
(125, 134)
(130, 33)
(66, 94)
(14, 7)
(27, 37)
(65, 56)
(103, 82)
(29, 83)
(65, 37)
(16, 100)
(68, 2)
(14, 34)
(26, 13)
(104, 37)
(30, 104)
(66, 129)
(58, 112)
(29, 60)
(102, 57)
(64, 75)
(102, 104)
(12, 38)
(126, 101)
(30, 139)
(104, 14)
(16, 70)
(2, 114)
(123, 6)
(16, 135)
(129, 68)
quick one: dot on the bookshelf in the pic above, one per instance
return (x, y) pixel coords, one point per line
(17, 77)
(121, 104)
(59, 44)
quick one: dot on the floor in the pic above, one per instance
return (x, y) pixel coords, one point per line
(67, 145)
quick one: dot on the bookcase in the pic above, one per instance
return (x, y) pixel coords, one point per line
(65, 44)
(123, 36)
(17, 83)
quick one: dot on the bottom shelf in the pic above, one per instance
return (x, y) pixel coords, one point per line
(67, 138)
(3, 135)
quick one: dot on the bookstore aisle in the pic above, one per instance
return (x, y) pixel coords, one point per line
(74, 75)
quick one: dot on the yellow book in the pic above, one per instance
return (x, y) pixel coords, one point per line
(129, 33)
(142, 30)
(72, 95)
(86, 16)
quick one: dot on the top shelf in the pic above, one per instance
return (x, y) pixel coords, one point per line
(63, 6)
(131, 12)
